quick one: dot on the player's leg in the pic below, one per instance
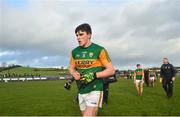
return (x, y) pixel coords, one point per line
(152, 81)
(82, 103)
(93, 102)
(82, 112)
(141, 87)
(90, 111)
(137, 86)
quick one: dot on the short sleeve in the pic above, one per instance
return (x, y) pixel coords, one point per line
(104, 57)
(72, 61)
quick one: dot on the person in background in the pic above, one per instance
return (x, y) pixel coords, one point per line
(146, 76)
(139, 79)
(167, 76)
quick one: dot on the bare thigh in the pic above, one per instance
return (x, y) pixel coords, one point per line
(90, 111)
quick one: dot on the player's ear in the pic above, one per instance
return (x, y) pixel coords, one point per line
(89, 36)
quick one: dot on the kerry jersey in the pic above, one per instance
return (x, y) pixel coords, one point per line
(139, 74)
(90, 60)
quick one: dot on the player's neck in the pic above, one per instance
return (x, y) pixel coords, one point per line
(87, 44)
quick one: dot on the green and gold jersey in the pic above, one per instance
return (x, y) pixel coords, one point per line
(91, 59)
(139, 74)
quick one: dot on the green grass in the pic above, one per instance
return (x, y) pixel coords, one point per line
(50, 98)
(42, 71)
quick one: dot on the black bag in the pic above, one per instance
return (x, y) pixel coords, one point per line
(110, 79)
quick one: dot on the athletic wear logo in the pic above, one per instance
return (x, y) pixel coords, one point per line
(93, 103)
(84, 54)
(77, 55)
(91, 54)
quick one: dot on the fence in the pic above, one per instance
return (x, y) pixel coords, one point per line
(34, 78)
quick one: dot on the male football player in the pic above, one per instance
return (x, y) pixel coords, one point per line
(87, 64)
(139, 79)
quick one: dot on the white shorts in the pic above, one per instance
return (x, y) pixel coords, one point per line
(92, 99)
(139, 81)
(152, 78)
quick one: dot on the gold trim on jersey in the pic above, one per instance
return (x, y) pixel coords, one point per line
(100, 98)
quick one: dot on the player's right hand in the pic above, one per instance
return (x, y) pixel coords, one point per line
(87, 78)
(76, 75)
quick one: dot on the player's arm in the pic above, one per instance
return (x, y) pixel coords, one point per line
(134, 76)
(143, 75)
(106, 62)
(72, 69)
(109, 71)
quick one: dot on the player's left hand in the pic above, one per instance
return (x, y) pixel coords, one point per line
(173, 79)
(160, 80)
(87, 78)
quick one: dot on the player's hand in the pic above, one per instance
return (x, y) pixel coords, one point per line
(160, 80)
(87, 78)
(76, 75)
(173, 79)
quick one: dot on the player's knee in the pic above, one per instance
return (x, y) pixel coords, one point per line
(90, 111)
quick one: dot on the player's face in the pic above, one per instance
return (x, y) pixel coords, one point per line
(165, 61)
(83, 38)
(139, 66)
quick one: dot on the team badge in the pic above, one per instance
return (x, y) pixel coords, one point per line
(91, 54)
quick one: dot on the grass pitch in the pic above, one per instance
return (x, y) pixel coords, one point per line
(50, 98)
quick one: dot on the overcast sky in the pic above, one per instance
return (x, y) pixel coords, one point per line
(40, 33)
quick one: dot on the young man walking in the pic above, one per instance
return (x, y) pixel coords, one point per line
(139, 79)
(87, 65)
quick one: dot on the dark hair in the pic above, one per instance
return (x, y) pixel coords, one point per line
(165, 58)
(138, 65)
(84, 27)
